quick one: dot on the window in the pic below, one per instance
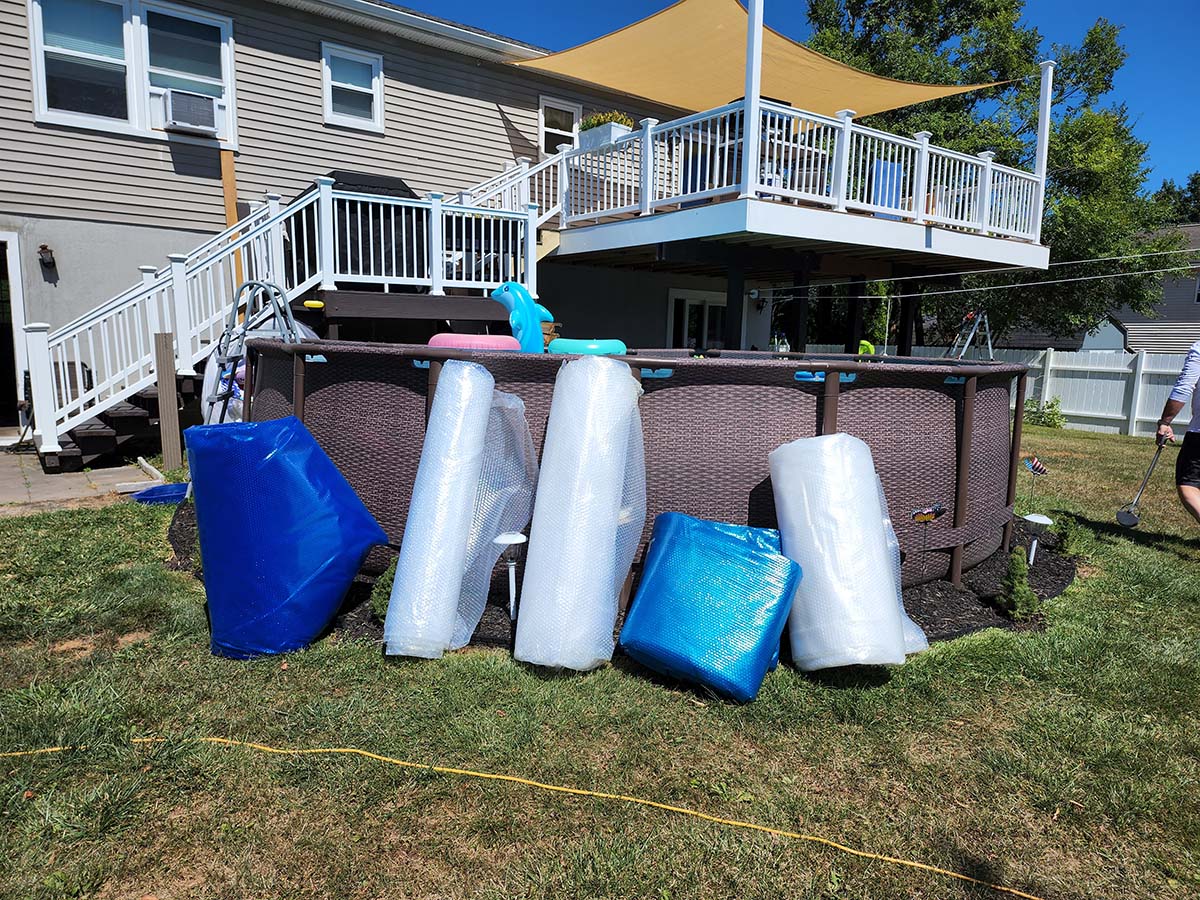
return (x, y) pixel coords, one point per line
(352, 82)
(558, 123)
(108, 64)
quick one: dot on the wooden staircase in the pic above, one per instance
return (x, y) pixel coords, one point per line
(125, 429)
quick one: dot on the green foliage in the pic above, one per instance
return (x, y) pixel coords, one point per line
(381, 592)
(594, 120)
(1183, 202)
(1095, 202)
(1048, 414)
(1018, 596)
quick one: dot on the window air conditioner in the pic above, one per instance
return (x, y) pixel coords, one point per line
(191, 113)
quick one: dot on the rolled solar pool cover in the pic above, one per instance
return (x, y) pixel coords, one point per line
(831, 520)
(282, 534)
(423, 608)
(712, 604)
(588, 517)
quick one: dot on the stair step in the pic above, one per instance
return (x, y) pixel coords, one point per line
(94, 438)
(126, 419)
(68, 459)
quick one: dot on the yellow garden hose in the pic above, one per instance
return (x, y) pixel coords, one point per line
(560, 789)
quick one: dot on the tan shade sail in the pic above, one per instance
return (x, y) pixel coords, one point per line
(692, 56)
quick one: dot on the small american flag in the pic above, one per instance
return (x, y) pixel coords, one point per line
(1035, 466)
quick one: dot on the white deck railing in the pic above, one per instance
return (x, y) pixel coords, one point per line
(323, 238)
(802, 157)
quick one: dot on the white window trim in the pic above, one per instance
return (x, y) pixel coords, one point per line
(576, 109)
(12, 243)
(137, 75)
(375, 61)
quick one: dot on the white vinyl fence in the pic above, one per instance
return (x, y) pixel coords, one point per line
(1098, 390)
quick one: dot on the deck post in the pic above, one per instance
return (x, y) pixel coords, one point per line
(854, 313)
(735, 299)
(522, 182)
(752, 101)
(275, 241)
(564, 186)
(985, 190)
(437, 246)
(921, 182)
(325, 235)
(1045, 101)
(798, 313)
(153, 315)
(41, 382)
(182, 314)
(530, 248)
(646, 192)
(841, 161)
(908, 318)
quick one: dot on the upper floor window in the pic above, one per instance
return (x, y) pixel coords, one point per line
(109, 64)
(558, 123)
(352, 83)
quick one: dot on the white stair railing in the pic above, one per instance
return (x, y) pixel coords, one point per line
(324, 237)
(519, 185)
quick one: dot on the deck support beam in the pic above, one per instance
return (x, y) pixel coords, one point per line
(735, 301)
(854, 312)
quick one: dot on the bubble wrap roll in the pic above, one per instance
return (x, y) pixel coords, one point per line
(587, 518)
(503, 502)
(830, 518)
(433, 555)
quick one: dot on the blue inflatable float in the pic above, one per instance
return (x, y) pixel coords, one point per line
(712, 604)
(282, 534)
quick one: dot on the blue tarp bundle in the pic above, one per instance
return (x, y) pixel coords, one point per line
(282, 534)
(712, 604)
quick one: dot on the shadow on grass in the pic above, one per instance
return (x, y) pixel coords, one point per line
(1111, 532)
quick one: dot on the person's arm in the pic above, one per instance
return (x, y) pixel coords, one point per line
(1185, 384)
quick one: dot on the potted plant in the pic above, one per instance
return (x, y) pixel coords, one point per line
(603, 128)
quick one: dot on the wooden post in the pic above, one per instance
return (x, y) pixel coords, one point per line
(1014, 459)
(735, 298)
(168, 401)
(854, 312)
(229, 195)
(963, 481)
(908, 316)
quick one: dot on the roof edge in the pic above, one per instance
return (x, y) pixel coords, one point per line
(420, 27)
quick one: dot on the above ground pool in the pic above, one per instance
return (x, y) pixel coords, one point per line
(940, 431)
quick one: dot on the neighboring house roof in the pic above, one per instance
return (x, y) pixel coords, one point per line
(421, 27)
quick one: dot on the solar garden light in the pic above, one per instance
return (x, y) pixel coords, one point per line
(1037, 524)
(511, 542)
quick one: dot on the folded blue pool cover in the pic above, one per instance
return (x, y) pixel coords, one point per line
(712, 604)
(282, 534)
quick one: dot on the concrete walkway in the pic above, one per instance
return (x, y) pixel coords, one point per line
(25, 488)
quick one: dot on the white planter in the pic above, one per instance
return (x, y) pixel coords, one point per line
(602, 135)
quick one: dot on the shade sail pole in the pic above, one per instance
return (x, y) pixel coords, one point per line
(1045, 100)
(752, 115)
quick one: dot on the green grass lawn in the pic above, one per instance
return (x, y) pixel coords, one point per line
(1063, 763)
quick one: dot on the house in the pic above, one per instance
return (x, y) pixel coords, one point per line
(159, 153)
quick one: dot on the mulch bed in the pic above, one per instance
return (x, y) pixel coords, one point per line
(942, 610)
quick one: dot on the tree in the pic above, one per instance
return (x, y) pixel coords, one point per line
(1096, 205)
(1184, 202)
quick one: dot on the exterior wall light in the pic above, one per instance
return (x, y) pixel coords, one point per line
(46, 256)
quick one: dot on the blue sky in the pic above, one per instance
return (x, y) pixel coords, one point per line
(1158, 83)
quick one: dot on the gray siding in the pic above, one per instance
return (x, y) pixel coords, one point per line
(451, 121)
(1177, 325)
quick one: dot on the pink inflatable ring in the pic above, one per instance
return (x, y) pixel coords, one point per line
(453, 341)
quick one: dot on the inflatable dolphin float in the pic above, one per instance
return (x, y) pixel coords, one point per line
(525, 315)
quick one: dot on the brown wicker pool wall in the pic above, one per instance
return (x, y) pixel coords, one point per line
(938, 431)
